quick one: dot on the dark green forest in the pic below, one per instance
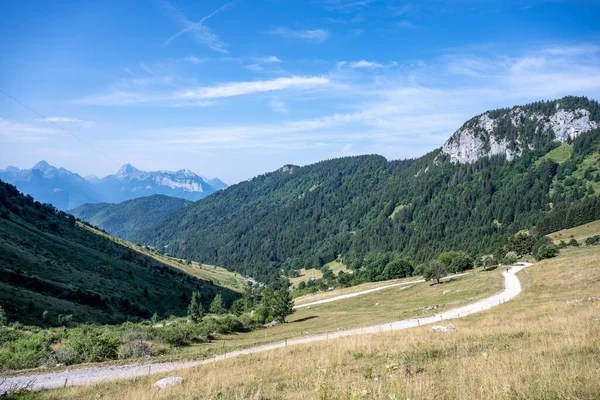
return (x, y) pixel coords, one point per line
(126, 218)
(304, 217)
(51, 268)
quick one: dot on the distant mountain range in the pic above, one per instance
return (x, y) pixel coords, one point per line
(67, 190)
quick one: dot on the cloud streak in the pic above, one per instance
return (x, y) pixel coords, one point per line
(310, 35)
(194, 94)
(198, 30)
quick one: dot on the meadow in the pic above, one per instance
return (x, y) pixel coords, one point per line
(544, 344)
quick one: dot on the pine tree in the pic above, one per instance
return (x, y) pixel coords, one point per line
(3, 318)
(217, 306)
(195, 309)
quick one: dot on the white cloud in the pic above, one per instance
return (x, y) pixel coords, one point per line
(191, 95)
(364, 64)
(245, 88)
(311, 35)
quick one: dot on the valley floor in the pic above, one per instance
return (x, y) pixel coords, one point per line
(543, 344)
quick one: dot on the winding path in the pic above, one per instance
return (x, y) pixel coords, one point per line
(91, 375)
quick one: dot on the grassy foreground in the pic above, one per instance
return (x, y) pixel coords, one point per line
(545, 344)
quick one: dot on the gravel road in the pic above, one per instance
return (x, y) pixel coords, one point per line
(91, 375)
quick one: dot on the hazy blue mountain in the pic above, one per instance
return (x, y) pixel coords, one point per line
(67, 190)
(49, 184)
(127, 218)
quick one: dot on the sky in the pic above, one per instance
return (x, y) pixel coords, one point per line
(236, 89)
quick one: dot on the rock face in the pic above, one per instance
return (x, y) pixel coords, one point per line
(509, 132)
(168, 382)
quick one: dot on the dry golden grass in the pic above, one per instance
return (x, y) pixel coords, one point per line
(540, 345)
(305, 274)
(580, 233)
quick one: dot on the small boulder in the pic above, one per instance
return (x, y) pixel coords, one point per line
(442, 328)
(168, 382)
(447, 291)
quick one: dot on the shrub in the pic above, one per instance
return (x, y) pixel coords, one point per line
(62, 355)
(93, 344)
(546, 251)
(133, 349)
(182, 334)
(511, 257)
(592, 240)
(573, 242)
(26, 352)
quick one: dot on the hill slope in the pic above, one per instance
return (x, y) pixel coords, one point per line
(303, 217)
(126, 218)
(50, 263)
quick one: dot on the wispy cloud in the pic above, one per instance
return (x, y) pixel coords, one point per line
(191, 60)
(364, 64)
(278, 106)
(245, 88)
(346, 5)
(198, 30)
(69, 120)
(258, 63)
(14, 131)
(311, 35)
(192, 95)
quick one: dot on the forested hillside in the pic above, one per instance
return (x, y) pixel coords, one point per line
(126, 218)
(51, 267)
(306, 216)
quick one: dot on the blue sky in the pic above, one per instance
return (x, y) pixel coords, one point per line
(235, 89)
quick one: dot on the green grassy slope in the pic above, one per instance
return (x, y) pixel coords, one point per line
(126, 218)
(50, 263)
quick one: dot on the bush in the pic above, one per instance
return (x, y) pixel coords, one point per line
(93, 344)
(182, 334)
(546, 251)
(593, 240)
(511, 257)
(573, 242)
(62, 355)
(133, 349)
(26, 352)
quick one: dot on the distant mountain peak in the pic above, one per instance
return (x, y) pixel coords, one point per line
(126, 169)
(43, 165)
(187, 172)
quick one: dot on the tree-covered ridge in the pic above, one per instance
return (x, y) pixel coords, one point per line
(126, 218)
(52, 267)
(304, 217)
